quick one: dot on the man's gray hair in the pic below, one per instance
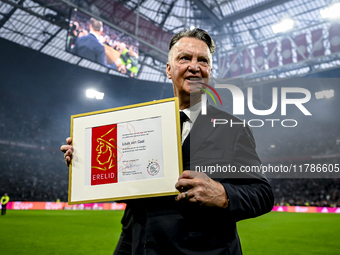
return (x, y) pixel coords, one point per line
(193, 33)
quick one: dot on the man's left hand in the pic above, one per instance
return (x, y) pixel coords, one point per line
(197, 187)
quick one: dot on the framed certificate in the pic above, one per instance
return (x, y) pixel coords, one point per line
(127, 152)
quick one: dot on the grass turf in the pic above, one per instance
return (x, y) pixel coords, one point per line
(97, 232)
(59, 232)
(291, 233)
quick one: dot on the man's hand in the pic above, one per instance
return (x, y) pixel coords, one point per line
(68, 150)
(197, 187)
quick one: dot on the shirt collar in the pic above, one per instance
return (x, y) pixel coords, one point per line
(193, 111)
(97, 36)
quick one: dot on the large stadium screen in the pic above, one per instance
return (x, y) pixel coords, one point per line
(89, 38)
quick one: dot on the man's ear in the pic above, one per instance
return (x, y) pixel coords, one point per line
(168, 68)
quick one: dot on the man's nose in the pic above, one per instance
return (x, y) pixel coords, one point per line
(193, 67)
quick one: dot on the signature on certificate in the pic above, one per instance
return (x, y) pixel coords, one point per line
(129, 165)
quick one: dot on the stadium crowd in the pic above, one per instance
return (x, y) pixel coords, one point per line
(307, 192)
(33, 175)
(30, 165)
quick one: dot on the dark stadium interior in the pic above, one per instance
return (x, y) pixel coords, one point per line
(270, 56)
(39, 93)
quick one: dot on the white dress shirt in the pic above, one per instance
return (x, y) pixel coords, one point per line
(192, 113)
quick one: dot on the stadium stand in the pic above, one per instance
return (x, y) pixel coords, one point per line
(306, 192)
(31, 137)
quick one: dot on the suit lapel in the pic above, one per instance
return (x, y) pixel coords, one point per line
(186, 152)
(200, 131)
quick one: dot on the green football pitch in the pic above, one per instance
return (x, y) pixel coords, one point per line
(97, 232)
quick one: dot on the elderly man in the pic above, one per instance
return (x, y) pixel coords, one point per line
(202, 218)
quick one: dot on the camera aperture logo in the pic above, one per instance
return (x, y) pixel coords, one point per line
(153, 167)
(212, 89)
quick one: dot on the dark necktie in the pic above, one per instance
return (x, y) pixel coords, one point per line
(183, 118)
(186, 143)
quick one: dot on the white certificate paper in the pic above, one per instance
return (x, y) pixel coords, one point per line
(140, 156)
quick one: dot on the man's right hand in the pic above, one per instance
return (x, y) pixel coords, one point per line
(68, 150)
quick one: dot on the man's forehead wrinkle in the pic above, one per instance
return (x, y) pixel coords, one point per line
(186, 51)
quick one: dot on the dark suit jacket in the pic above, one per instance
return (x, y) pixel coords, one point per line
(90, 48)
(164, 226)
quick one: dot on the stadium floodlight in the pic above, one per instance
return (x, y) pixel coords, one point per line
(99, 95)
(331, 12)
(283, 26)
(91, 93)
(324, 94)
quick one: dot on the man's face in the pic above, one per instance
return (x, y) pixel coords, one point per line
(190, 59)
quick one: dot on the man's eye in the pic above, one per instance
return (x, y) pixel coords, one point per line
(185, 58)
(204, 60)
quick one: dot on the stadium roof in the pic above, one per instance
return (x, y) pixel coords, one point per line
(236, 26)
